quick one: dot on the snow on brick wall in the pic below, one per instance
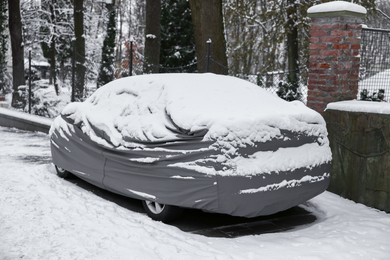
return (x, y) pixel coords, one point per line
(337, 6)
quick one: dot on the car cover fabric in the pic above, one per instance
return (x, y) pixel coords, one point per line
(146, 173)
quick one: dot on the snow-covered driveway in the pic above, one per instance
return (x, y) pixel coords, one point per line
(44, 217)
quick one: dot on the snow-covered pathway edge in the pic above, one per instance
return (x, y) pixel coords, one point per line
(24, 121)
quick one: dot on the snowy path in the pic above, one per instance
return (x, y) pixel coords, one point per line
(44, 217)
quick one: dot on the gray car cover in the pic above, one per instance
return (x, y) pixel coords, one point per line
(132, 173)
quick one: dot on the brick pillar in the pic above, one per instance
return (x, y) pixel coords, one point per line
(334, 53)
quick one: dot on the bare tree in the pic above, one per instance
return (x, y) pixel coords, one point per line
(50, 26)
(243, 31)
(152, 36)
(208, 25)
(15, 28)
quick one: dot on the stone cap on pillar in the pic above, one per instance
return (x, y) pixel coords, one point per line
(336, 8)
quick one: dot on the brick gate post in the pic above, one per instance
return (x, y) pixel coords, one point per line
(334, 53)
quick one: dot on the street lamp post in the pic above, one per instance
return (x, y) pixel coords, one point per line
(208, 55)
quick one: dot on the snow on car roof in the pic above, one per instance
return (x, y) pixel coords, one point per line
(148, 107)
(232, 113)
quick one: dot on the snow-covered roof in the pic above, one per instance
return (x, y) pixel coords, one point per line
(337, 6)
(360, 106)
(148, 107)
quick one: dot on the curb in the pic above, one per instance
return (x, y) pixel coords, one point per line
(24, 121)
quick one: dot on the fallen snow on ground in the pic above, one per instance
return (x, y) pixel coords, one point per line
(45, 217)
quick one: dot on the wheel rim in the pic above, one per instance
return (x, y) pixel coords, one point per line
(154, 207)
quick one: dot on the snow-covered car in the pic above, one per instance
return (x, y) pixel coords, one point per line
(205, 141)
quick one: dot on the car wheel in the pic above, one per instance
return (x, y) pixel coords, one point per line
(161, 212)
(62, 172)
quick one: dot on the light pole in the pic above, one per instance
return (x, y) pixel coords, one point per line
(208, 55)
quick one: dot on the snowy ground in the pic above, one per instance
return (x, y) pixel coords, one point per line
(44, 217)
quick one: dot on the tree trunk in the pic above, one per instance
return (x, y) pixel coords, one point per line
(120, 36)
(152, 37)
(53, 68)
(106, 71)
(79, 49)
(208, 24)
(53, 51)
(292, 44)
(15, 28)
(3, 45)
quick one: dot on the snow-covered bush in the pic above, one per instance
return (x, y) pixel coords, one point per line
(289, 91)
(44, 101)
(376, 96)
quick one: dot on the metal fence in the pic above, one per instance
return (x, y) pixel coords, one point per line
(375, 65)
(276, 83)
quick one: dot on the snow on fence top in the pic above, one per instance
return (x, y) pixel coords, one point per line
(337, 6)
(360, 106)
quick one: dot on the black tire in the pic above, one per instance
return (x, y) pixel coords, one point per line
(62, 172)
(161, 212)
